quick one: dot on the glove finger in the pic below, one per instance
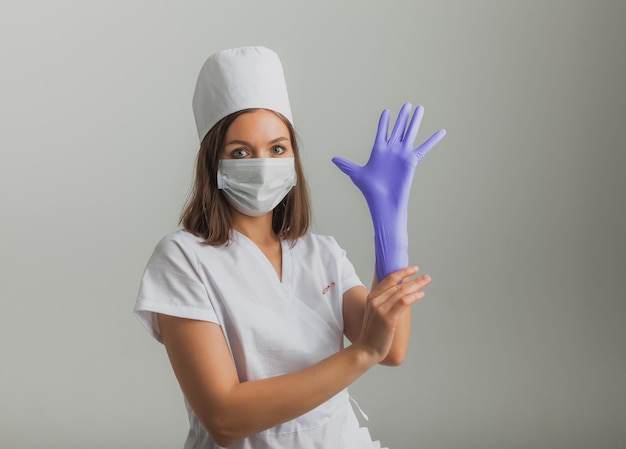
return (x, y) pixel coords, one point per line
(400, 125)
(345, 165)
(424, 148)
(383, 129)
(414, 127)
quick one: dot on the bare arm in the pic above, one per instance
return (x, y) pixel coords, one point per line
(231, 410)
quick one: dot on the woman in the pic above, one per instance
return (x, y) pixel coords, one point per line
(251, 307)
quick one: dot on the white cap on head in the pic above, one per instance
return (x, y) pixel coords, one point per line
(236, 79)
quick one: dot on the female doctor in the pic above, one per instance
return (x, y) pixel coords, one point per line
(252, 308)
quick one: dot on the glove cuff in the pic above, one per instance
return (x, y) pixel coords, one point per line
(391, 245)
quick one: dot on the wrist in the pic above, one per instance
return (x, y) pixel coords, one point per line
(392, 225)
(392, 253)
(362, 356)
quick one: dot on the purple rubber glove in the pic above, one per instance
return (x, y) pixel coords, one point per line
(385, 181)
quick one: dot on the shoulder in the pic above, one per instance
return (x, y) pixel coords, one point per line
(177, 244)
(179, 237)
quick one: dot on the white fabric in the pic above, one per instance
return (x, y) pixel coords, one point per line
(255, 186)
(271, 327)
(236, 79)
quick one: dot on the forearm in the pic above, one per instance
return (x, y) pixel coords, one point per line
(400, 344)
(401, 337)
(250, 407)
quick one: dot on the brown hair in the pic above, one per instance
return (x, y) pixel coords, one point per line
(207, 214)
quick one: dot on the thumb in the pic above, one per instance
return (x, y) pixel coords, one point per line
(345, 166)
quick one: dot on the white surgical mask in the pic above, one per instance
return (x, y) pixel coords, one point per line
(256, 186)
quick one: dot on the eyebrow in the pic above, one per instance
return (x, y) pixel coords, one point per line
(243, 142)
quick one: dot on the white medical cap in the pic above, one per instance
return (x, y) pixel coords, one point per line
(236, 79)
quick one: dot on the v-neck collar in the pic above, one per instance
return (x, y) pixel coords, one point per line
(264, 262)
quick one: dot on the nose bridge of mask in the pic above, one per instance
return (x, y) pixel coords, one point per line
(256, 172)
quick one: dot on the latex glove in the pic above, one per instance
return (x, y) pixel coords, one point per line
(385, 181)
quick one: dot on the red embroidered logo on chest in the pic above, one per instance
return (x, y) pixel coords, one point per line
(328, 287)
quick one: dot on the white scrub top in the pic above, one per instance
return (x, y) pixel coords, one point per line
(272, 327)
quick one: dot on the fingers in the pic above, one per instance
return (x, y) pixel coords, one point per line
(407, 135)
(398, 129)
(410, 291)
(410, 287)
(383, 128)
(390, 305)
(392, 293)
(424, 148)
(397, 276)
(414, 126)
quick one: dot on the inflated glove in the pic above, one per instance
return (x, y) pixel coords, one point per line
(385, 182)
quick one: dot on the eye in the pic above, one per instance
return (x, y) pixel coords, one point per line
(278, 149)
(239, 153)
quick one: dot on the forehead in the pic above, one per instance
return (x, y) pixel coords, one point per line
(257, 124)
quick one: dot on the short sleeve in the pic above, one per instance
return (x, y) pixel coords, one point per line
(171, 285)
(349, 278)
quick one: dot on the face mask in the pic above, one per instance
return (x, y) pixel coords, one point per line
(255, 186)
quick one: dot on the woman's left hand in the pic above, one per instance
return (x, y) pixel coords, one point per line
(387, 175)
(385, 182)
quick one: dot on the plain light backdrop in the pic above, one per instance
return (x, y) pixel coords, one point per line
(519, 214)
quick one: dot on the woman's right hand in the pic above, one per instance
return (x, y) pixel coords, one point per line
(385, 305)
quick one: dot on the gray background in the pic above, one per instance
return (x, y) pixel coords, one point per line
(518, 215)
